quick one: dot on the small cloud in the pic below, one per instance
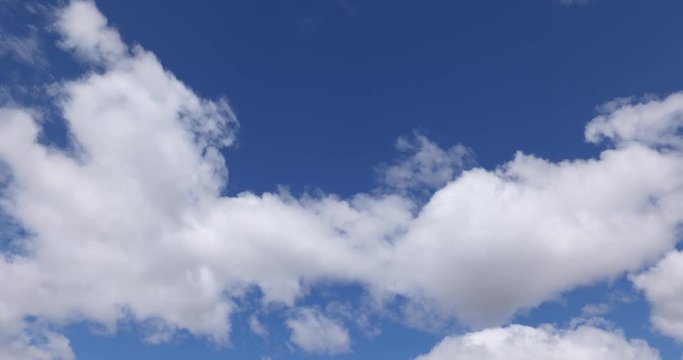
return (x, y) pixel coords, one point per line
(622, 297)
(593, 310)
(313, 332)
(257, 327)
(424, 165)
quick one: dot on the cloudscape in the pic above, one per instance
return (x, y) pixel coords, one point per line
(408, 182)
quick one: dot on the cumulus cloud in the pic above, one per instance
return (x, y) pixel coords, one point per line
(149, 155)
(131, 224)
(313, 332)
(663, 287)
(653, 123)
(85, 30)
(554, 225)
(518, 342)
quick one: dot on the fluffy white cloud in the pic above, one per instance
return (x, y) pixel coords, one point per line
(492, 242)
(652, 123)
(312, 331)
(554, 225)
(517, 342)
(663, 286)
(100, 221)
(131, 224)
(657, 123)
(86, 31)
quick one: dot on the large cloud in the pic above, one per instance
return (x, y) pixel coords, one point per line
(130, 222)
(492, 242)
(517, 342)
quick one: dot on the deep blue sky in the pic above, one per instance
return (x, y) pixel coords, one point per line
(348, 77)
(497, 76)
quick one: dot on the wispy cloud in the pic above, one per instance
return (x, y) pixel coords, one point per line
(26, 49)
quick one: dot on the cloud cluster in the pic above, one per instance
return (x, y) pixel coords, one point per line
(130, 224)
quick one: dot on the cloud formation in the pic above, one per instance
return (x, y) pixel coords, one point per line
(517, 342)
(663, 287)
(131, 224)
(425, 166)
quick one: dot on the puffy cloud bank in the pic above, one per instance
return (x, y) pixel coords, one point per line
(130, 223)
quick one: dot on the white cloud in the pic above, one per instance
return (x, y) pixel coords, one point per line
(425, 166)
(518, 342)
(663, 286)
(132, 225)
(101, 246)
(652, 123)
(86, 31)
(313, 332)
(532, 228)
(257, 327)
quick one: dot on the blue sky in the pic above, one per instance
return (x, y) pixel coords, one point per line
(336, 178)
